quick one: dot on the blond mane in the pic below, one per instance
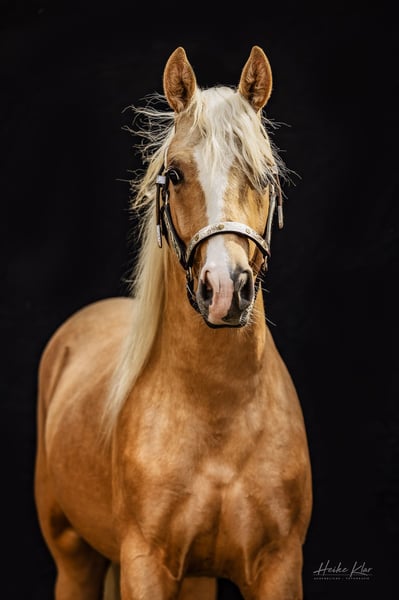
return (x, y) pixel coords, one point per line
(228, 126)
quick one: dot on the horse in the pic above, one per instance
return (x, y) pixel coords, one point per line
(171, 442)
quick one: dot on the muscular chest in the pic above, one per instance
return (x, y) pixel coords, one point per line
(204, 492)
(206, 507)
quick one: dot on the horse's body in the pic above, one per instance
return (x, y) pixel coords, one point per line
(194, 463)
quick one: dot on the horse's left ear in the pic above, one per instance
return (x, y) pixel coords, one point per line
(179, 81)
(256, 79)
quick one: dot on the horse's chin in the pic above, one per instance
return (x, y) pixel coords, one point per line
(229, 322)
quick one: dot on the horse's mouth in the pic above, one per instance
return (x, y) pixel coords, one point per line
(233, 319)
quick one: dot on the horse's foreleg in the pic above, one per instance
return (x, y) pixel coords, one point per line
(143, 575)
(80, 569)
(280, 577)
(193, 588)
(144, 578)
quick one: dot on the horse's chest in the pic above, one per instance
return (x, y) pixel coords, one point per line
(210, 499)
(204, 518)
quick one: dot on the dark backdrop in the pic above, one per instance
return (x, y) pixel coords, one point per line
(67, 75)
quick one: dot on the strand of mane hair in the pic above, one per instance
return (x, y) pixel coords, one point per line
(147, 285)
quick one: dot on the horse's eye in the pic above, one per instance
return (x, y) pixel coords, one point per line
(175, 176)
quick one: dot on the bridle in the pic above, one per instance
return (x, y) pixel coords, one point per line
(185, 254)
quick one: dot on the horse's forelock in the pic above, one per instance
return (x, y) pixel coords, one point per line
(231, 130)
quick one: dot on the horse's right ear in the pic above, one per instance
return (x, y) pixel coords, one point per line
(179, 81)
(256, 79)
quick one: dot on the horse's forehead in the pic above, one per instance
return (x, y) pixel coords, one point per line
(213, 170)
(182, 147)
(193, 149)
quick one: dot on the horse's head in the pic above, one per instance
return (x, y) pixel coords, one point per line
(217, 185)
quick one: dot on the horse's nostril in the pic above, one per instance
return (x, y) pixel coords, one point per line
(205, 291)
(244, 289)
(242, 282)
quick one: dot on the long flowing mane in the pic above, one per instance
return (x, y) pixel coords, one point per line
(229, 127)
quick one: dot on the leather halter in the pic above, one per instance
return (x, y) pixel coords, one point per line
(185, 254)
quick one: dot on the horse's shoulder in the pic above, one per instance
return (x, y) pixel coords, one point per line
(89, 339)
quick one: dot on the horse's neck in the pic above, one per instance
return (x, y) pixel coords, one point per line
(189, 347)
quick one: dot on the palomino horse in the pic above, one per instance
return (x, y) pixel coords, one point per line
(171, 441)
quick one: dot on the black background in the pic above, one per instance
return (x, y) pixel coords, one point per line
(68, 73)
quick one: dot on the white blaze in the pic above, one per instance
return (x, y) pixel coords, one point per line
(215, 271)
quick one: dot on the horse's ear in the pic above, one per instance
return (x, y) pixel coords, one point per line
(179, 81)
(256, 79)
